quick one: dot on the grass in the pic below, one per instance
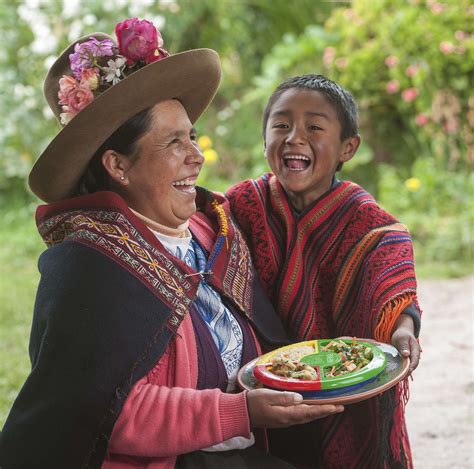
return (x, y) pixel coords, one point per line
(20, 246)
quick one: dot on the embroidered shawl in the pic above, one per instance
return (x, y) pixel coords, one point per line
(110, 300)
(341, 267)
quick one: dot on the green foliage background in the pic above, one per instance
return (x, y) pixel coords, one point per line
(417, 154)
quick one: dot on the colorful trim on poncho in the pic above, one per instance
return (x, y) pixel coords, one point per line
(342, 267)
(110, 301)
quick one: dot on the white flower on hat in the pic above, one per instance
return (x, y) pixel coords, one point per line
(66, 117)
(113, 73)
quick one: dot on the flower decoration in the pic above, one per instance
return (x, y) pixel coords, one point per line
(113, 72)
(98, 65)
(139, 40)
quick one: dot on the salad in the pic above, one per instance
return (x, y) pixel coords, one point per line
(353, 357)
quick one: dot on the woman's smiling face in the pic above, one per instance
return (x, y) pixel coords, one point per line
(303, 144)
(160, 183)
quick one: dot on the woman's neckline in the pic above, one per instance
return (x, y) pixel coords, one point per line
(181, 231)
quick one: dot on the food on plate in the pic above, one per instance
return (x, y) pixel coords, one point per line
(295, 353)
(353, 357)
(291, 368)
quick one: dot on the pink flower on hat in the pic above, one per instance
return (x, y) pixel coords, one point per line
(66, 84)
(74, 97)
(139, 40)
(90, 78)
(98, 65)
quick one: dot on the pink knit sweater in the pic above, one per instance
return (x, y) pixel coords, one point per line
(165, 416)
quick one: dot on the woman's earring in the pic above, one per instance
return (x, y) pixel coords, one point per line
(122, 178)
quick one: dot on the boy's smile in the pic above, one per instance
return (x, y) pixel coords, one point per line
(303, 145)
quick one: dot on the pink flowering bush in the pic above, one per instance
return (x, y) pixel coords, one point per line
(392, 86)
(410, 94)
(409, 66)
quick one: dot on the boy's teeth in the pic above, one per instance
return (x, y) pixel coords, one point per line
(297, 162)
(296, 157)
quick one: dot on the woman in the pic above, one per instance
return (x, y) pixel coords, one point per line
(145, 309)
(332, 262)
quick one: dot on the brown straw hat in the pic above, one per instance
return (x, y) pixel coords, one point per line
(192, 77)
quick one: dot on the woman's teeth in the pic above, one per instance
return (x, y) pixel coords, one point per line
(186, 185)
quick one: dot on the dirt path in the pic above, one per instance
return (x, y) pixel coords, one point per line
(440, 410)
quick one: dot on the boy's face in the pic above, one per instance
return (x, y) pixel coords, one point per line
(303, 145)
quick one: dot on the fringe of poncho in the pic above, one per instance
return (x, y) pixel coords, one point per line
(342, 267)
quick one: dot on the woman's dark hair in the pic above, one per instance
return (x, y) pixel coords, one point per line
(123, 140)
(340, 99)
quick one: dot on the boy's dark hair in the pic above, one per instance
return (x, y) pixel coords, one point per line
(340, 98)
(123, 140)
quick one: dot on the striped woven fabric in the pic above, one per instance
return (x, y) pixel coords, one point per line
(343, 266)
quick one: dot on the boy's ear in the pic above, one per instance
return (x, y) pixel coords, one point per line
(349, 148)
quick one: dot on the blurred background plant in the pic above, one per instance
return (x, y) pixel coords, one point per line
(409, 64)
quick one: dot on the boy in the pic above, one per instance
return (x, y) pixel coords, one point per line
(332, 262)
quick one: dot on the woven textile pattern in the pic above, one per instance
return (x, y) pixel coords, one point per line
(343, 266)
(111, 233)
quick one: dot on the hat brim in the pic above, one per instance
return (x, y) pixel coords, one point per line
(192, 77)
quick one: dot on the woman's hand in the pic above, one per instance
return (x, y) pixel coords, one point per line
(404, 340)
(275, 409)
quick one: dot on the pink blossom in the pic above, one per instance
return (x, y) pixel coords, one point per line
(90, 78)
(328, 55)
(66, 84)
(349, 13)
(392, 86)
(412, 70)
(77, 98)
(446, 47)
(460, 35)
(451, 126)
(421, 119)
(139, 40)
(409, 95)
(437, 8)
(391, 61)
(341, 62)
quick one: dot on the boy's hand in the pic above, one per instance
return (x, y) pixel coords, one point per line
(404, 340)
(275, 409)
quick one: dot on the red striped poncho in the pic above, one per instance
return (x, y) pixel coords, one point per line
(341, 267)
